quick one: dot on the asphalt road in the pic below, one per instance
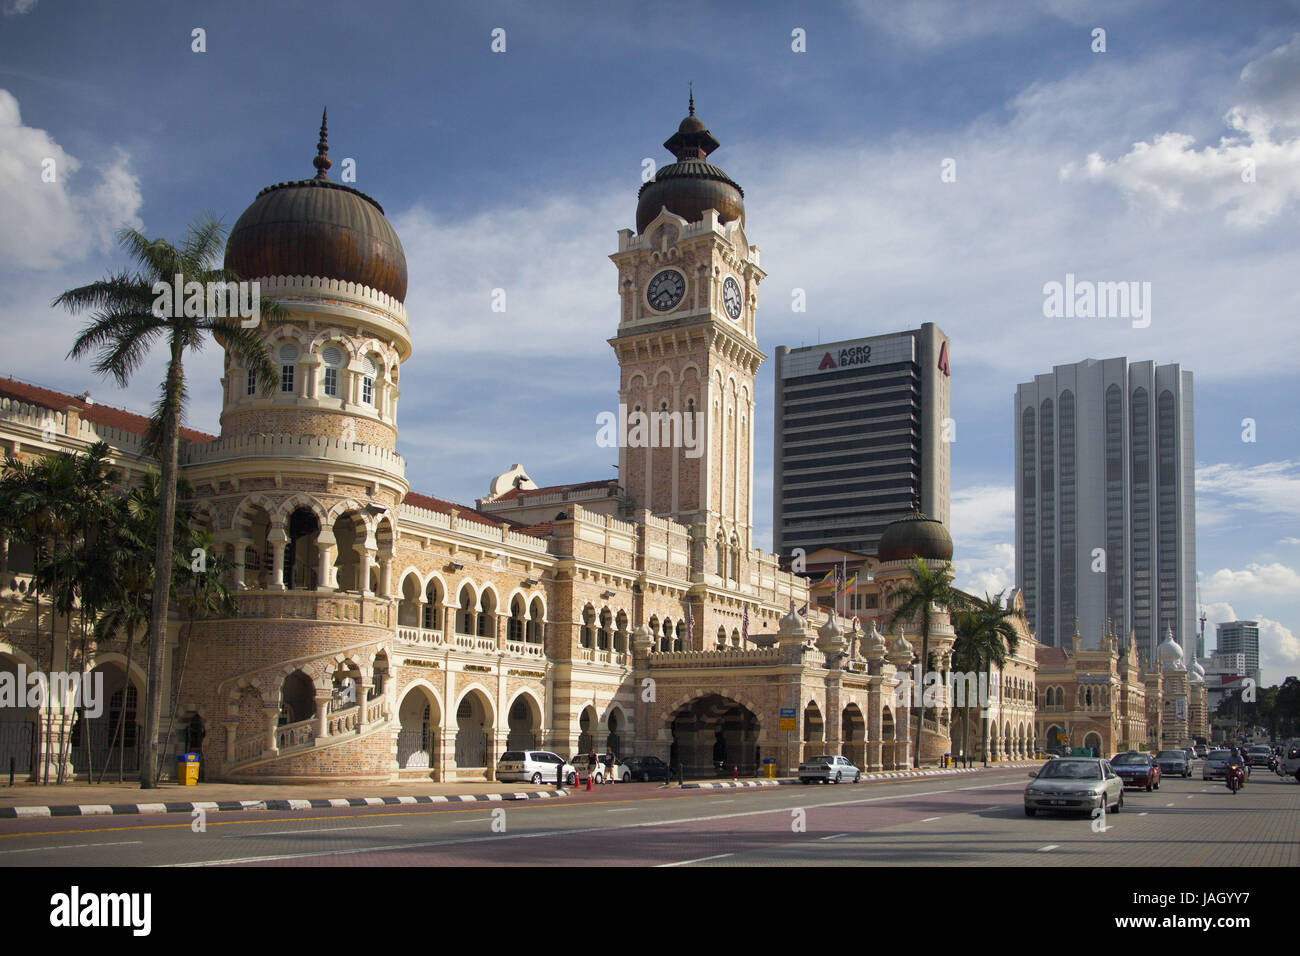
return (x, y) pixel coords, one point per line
(963, 820)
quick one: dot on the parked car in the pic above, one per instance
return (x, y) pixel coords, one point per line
(601, 769)
(828, 769)
(1215, 763)
(647, 768)
(1074, 784)
(534, 766)
(1175, 763)
(1137, 769)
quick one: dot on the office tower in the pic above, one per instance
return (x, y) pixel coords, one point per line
(859, 437)
(1240, 637)
(1105, 502)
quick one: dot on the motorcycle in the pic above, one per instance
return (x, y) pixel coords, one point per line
(1234, 777)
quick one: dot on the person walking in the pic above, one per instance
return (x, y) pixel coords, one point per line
(591, 765)
(610, 762)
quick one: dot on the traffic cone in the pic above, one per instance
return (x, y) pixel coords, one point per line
(589, 787)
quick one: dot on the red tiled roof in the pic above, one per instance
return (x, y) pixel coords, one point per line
(430, 503)
(543, 530)
(95, 413)
(1050, 655)
(514, 493)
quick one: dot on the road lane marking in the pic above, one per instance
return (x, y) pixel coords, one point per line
(377, 826)
(1050, 846)
(574, 831)
(74, 846)
(833, 836)
(621, 810)
(720, 856)
(1169, 804)
(1142, 814)
(472, 820)
(931, 819)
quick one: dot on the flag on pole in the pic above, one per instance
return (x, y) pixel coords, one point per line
(803, 611)
(825, 578)
(744, 628)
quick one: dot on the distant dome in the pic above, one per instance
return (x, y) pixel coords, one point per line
(690, 186)
(915, 536)
(1170, 653)
(315, 227)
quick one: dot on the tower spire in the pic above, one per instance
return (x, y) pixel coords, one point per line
(691, 87)
(322, 160)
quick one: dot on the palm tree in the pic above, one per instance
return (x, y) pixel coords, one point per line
(123, 326)
(926, 588)
(992, 637)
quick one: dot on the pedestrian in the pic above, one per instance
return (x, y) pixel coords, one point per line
(591, 764)
(610, 762)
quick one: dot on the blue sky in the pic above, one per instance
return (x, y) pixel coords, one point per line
(515, 170)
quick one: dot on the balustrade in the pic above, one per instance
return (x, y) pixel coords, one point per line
(294, 735)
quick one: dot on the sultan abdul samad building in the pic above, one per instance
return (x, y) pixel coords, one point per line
(383, 633)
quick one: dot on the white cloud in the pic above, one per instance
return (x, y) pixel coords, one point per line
(1250, 174)
(935, 24)
(1289, 541)
(45, 225)
(1271, 488)
(18, 7)
(1254, 581)
(1279, 651)
(983, 523)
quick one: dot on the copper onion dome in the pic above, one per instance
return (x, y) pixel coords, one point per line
(315, 227)
(690, 185)
(915, 536)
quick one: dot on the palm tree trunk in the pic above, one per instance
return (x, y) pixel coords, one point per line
(988, 671)
(925, 662)
(176, 691)
(170, 452)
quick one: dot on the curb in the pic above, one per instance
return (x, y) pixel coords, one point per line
(130, 809)
(883, 775)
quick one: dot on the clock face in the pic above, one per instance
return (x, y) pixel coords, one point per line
(665, 290)
(731, 297)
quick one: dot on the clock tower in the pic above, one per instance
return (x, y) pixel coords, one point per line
(688, 353)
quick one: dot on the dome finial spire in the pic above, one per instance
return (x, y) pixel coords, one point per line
(322, 160)
(691, 86)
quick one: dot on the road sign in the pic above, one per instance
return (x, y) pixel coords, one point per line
(787, 713)
(788, 719)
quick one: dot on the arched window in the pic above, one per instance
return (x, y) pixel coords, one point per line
(369, 372)
(288, 356)
(587, 634)
(332, 357)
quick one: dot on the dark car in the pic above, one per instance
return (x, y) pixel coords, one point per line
(647, 768)
(1174, 762)
(1137, 769)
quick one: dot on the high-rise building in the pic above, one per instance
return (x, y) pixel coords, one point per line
(1240, 637)
(1105, 502)
(859, 437)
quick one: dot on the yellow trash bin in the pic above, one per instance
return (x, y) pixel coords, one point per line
(187, 769)
(769, 769)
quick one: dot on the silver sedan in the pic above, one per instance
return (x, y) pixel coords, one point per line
(1074, 784)
(829, 769)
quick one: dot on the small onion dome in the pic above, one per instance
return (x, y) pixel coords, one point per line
(1170, 654)
(901, 649)
(1198, 672)
(791, 624)
(915, 536)
(315, 227)
(873, 645)
(690, 186)
(830, 634)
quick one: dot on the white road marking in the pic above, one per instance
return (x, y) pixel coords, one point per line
(1142, 814)
(245, 836)
(71, 846)
(1169, 804)
(621, 810)
(500, 837)
(702, 859)
(1050, 846)
(1190, 795)
(833, 836)
(471, 820)
(931, 819)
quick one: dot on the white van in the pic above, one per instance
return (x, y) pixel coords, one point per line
(1291, 758)
(534, 766)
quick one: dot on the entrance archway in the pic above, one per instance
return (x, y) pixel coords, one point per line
(814, 731)
(473, 726)
(419, 720)
(853, 734)
(18, 726)
(524, 719)
(713, 734)
(98, 742)
(1093, 741)
(888, 737)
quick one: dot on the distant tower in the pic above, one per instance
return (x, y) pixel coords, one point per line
(686, 346)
